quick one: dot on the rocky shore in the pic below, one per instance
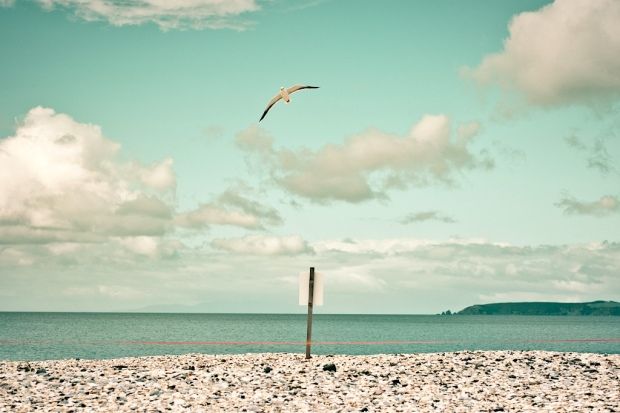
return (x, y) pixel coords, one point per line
(490, 381)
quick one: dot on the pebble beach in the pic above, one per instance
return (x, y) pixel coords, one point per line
(484, 381)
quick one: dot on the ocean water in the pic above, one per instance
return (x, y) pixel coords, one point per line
(41, 336)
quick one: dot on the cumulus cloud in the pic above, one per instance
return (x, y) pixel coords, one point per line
(62, 180)
(230, 208)
(604, 206)
(264, 245)
(167, 14)
(6, 3)
(566, 52)
(427, 216)
(366, 165)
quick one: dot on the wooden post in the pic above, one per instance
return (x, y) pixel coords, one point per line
(310, 297)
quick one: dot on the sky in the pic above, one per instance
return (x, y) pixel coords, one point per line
(456, 153)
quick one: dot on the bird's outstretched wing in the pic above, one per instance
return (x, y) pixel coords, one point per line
(299, 87)
(270, 104)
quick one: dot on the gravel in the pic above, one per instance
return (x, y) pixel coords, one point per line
(485, 381)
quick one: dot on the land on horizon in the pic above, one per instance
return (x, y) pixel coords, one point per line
(599, 307)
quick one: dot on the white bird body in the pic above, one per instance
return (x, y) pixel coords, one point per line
(284, 94)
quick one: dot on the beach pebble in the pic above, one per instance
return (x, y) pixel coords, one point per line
(494, 381)
(329, 367)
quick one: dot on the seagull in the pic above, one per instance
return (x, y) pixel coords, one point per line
(284, 94)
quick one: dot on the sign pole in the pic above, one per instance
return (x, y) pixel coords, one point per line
(310, 296)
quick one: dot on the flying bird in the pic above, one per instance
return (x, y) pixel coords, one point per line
(284, 94)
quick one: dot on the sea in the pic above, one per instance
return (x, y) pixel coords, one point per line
(45, 336)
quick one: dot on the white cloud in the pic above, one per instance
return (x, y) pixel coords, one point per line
(61, 180)
(264, 245)
(566, 52)
(469, 130)
(208, 214)
(161, 176)
(11, 257)
(167, 14)
(604, 206)
(356, 278)
(61, 248)
(365, 166)
(6, 3)
(230, 208)
(152, 247)
(388, 246)
(427, 216)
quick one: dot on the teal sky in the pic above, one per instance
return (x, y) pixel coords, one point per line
(201, 208)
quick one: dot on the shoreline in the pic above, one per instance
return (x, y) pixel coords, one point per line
(283, 382)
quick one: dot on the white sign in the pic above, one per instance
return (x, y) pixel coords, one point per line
(304, 280)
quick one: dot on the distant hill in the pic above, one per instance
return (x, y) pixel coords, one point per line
(543, 308)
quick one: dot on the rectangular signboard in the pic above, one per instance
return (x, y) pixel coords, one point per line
(304, 279)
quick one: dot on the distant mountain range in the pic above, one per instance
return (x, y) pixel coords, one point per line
(544, 308)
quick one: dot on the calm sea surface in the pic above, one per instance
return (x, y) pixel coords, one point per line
(38, 336)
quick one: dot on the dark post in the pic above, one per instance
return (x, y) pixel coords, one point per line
(310, 297)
